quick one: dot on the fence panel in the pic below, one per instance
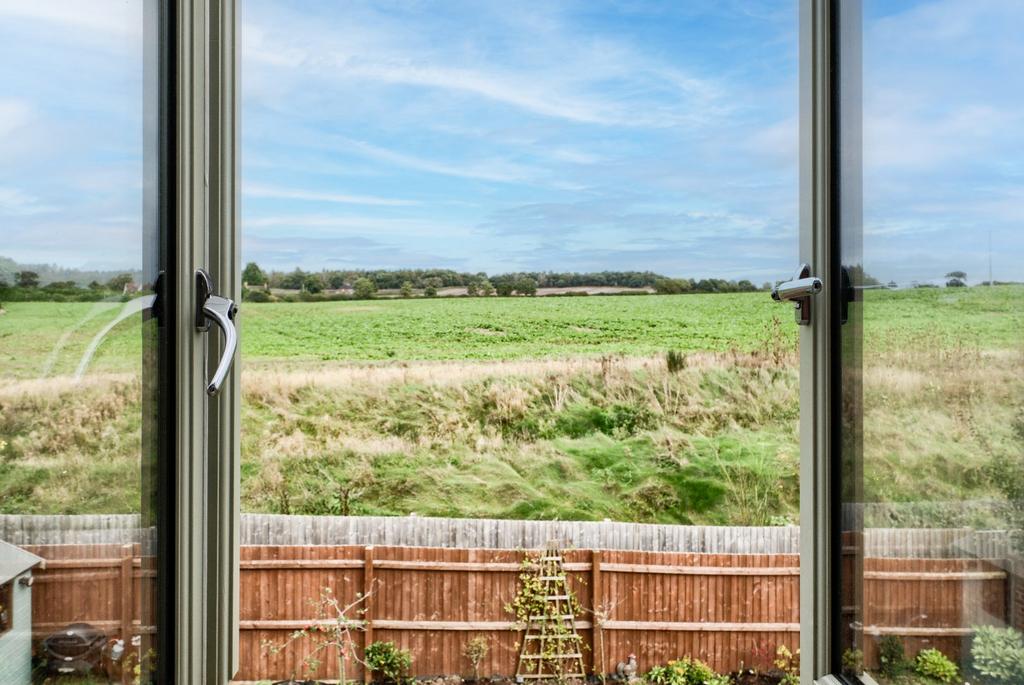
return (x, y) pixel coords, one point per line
(726, 609)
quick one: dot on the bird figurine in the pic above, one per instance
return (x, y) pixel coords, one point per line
(626, 670)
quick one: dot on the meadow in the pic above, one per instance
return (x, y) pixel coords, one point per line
(568, 407)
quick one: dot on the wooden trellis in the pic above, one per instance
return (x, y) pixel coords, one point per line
(551, 649)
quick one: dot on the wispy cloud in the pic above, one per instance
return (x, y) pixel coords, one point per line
(257, 190)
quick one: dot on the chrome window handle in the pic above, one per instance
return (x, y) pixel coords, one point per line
(799, 291)
(221, 311)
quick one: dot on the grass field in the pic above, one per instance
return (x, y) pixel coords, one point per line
(529, 408)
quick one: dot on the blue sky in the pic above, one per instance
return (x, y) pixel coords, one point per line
(506, 136)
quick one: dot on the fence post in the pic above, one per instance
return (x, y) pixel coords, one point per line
(367, 605)
(127, 606)
(597, 617)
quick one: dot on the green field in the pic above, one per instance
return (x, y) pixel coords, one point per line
(531, 407)
(44, 338)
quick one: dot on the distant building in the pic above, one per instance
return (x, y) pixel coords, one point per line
(16, 614)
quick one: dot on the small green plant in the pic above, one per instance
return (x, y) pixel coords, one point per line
(853, 661)
(998, 654)
(788, 662)
(476, 651)
(891, 657)
(685, 671)
(332, 628)
(388, 659)
(675, 360)
(932, 663)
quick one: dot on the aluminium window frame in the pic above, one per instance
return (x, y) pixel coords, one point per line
(829, 177)
(204, 124)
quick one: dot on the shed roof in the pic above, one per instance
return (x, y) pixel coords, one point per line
(14, 561)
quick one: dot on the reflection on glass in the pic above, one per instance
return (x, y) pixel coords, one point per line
(505, 287)
(79, 260)
(933, 485)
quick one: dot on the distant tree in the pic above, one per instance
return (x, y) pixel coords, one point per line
(892, 285)
(28, 279)
(118, 282)
(406, 289)
(672, 286)
(486, 289)
(294, 280)
(473, 288)
(312, 284)
(364, 288)
(95, 285)
(337, 281)
(504, 288)
(252, 274)
(526, 286)
(61, 285)
(430, 286)
(746, 286)
(957, 279)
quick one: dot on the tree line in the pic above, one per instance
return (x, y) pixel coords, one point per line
(407, 282)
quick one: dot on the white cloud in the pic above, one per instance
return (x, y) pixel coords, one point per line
(15, 202)
(112, 17)
(14, 114)
(271, 191)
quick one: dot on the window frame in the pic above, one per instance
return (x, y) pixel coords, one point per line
(829, 84)
(203, 127)
(207, 520)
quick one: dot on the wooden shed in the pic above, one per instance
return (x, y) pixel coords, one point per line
(16, 614)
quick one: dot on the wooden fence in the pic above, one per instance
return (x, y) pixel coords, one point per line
(273, 529)
(727, 609)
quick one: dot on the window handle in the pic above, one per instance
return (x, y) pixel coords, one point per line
(221, 311)
(799, 291)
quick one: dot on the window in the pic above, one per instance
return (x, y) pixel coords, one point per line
(6, 607)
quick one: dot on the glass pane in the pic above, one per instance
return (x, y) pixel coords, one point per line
(933, 469)
(505, 290)
(81, 349)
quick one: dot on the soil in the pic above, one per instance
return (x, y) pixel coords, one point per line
(755, 678)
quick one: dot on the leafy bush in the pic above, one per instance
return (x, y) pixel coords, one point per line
(853, 661)
(250, 295)
(789, 663)
(476, 651)
(998, 654)
(389, 660)
(675, 360)
(685, 671)
(932, 663)
(891, 656)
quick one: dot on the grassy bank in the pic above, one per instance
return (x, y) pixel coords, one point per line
(537, 420)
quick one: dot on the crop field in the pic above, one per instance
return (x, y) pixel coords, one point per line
(568, 408)
(41, 339)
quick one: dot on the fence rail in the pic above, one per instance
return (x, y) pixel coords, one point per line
(271, 529)
(724, 608)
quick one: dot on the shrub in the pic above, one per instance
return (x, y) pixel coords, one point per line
(675, 360)
(389, 660)
(789, 663)
(891, 657)
(476, 651)
(364, 289)
(685, 671)
(853, 661)
(998, 654)
(932, 663)
(249, 295)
